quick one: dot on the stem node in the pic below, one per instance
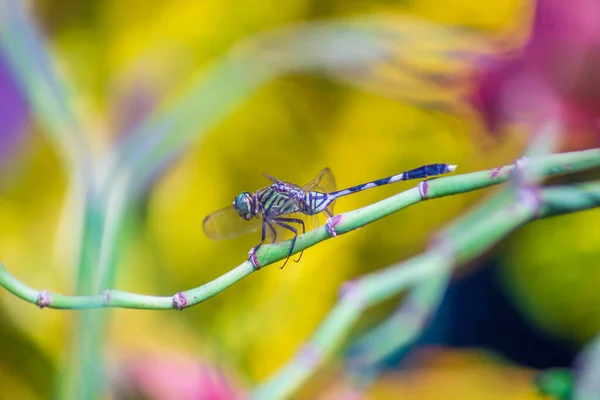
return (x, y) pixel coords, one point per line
(179, 301)
(43, 299)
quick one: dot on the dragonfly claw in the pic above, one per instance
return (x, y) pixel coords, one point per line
(253, 259)
(423, 189)
(331, 224)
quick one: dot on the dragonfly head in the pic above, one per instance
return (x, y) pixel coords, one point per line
(244, 205)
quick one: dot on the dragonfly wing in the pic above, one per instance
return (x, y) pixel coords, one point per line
(324, 182)
(227, 224)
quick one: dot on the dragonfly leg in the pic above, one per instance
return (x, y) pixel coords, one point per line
(263, 237)
(291, 228)
(272, 230)
(297, 221)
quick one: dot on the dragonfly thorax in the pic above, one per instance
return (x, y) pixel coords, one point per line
(245, 205)
(289, 190)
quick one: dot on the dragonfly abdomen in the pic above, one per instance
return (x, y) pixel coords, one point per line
(427, 171)
(316, 202)
(417, 173)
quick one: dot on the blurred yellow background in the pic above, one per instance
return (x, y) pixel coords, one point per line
(126, 59)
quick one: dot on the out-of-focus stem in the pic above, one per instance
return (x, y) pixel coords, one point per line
(24, 49)
(587, 385)
(464, 245)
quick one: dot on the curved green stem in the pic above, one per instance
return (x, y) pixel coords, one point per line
(557, 164)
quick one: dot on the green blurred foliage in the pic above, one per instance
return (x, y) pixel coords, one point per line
(112, 51)
(552, 267)
(556, 382)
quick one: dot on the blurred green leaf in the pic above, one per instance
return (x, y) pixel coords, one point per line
(556, 382)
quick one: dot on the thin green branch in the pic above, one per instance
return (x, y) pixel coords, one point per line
(530, 204)
(401, 328)
(404, 325)
(557, 164)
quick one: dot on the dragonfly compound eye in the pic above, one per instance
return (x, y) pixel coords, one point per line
(243, 204)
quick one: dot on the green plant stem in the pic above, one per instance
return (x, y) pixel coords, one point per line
(82, 364)
(93, 218)
(89, 382)
(557, 164)
(404, 325)
(530, 204)
(401, 328)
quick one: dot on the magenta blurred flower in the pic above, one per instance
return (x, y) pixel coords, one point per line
(555, 75)
(14, 114)
(170, 377)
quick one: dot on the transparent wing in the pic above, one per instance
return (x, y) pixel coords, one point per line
(227, 224)
(324, 182)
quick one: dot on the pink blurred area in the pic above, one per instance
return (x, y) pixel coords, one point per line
(555, 75)
(164, 377)
(14, 114)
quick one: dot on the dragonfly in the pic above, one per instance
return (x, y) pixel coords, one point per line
(285, 207)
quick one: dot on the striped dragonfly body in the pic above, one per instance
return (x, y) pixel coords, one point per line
(317, 202)
(283, 206)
